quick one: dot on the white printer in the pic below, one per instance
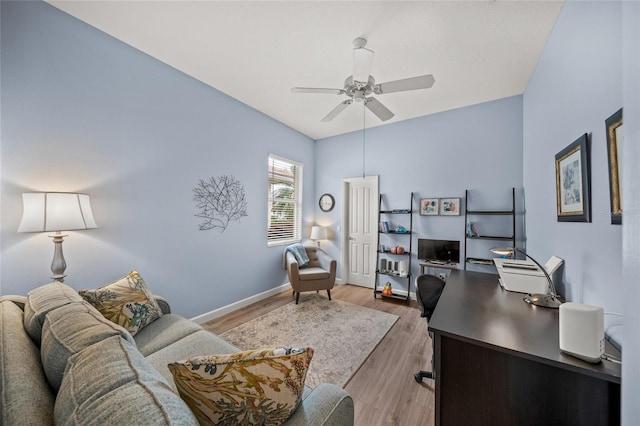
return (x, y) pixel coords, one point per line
(524, 276)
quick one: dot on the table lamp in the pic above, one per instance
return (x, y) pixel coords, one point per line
(549, 300)
(56, 212)
(318, 233)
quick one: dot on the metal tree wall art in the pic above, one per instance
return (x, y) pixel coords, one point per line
(220, 200)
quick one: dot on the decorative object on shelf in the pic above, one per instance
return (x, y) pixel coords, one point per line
(397, 249)
(327, 202)
(548, 300)
(383, 265)
(387, 290)
(403, 268)
(450, 206)
(56, 212)
(318, 233)
(401, 230)
(472, 230)
(614, 150)
(573, 182)
(429, 206)
(220, 200)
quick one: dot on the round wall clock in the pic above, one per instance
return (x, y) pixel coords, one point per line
(326, 202)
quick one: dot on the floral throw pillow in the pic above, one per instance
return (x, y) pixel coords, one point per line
(127, 302)
(259, 387)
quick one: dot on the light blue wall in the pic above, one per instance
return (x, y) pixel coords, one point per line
(82, 111)
(576, 85)
(478, 147)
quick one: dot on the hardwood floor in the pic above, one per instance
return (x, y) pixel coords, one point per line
(383, 389)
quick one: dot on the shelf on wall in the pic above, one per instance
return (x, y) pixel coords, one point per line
(392, 295)
(392, 274)
(469, 212)
(383, 225)
(488, 237)
(406, 253)
(490, 212)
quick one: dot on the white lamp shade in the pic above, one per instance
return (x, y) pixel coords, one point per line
(56, 211)
(318, 233)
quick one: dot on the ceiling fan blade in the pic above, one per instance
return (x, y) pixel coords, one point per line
(317, 90)
(413, 83)
(362, 62)
(337, 110)
(381, 111)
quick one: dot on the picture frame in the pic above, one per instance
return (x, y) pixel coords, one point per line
(573, 182)
(429, 206)
(450, 206)
(614, 152)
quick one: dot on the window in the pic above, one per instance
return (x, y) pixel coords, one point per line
(284, 201)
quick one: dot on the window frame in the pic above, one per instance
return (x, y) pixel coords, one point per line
(273, 237)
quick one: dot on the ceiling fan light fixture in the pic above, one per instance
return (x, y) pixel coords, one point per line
(362, 63)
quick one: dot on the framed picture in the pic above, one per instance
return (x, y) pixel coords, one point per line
(614, 150)
(450, 206)
(573, 182)
(429, 206)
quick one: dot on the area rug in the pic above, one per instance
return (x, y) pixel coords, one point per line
(342, 335)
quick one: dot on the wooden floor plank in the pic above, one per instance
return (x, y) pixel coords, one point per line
(383, 389)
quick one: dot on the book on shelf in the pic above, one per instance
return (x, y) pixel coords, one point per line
(384, 227)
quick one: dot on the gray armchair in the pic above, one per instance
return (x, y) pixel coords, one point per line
(318, 274)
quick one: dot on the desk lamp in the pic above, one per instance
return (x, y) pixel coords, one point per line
(56, 212)
(549, 300)
(318, 233)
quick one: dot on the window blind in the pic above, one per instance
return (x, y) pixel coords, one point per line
(284, 201)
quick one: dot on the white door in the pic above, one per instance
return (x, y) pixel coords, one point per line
(360, 216)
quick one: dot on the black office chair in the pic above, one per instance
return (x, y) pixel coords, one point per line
(428, 291)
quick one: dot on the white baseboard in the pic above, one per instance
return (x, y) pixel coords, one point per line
(201, 319)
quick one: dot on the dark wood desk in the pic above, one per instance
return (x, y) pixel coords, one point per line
(498, 362)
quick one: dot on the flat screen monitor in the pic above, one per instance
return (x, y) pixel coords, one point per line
(439, 250)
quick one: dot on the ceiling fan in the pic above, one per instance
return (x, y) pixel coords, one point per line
(360, 85)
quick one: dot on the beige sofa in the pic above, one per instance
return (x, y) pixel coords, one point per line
(318, 274)
(62, 362)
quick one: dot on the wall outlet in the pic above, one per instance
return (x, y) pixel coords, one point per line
(443, 276)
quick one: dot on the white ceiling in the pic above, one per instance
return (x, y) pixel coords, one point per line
(255, 51)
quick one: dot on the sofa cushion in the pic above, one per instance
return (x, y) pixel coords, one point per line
(252, 388)
(68, 330)
(167, 329)
(199, 343)
(110, 383)
(25, 395)
(43, 299)
(313, 273)
(127, 302)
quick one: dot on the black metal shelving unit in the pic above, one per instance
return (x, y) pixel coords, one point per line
(389, 256)
(511, 240)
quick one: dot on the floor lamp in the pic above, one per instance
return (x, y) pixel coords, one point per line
(56, 212)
